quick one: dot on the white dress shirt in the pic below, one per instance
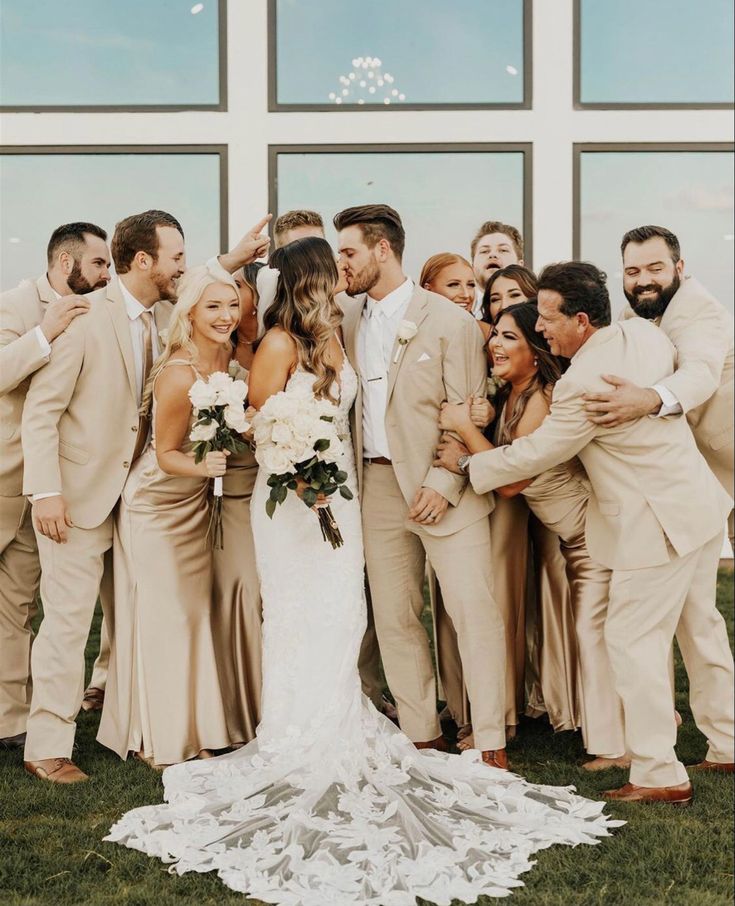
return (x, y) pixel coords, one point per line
(477, 304)
(135, 309)
(377, 334)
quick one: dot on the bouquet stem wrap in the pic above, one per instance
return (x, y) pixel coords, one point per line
(218, 404)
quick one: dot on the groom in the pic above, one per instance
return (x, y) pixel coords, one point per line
(412, 350)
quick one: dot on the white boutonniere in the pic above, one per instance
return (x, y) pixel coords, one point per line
(407, 330)
(494, 384)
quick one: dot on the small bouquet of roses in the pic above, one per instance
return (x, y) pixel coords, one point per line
(296, 441)
(219, 411)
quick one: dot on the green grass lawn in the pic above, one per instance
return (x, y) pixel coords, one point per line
(52, 854)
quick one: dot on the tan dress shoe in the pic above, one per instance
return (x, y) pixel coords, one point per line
(717, 767)
(674, 795)
(93, 699)
(604, 764)
(496, 758)
(440, 744)
(55, 770)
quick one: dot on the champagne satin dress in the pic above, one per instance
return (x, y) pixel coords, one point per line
(236, 606)
(163, 694)
(558, 498)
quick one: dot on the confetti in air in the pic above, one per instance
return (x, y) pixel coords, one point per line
(197, 8)
(365, 83)
(511, 70)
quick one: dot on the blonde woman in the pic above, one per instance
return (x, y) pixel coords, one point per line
(164, 701)
(236, 607)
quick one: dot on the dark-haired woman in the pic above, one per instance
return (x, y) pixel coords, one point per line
(510, 285)
(236, 607)
(558, 498)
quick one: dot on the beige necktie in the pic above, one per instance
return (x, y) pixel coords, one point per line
(143, 422)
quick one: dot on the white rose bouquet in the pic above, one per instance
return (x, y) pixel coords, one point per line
(219, 412)
(296, 442)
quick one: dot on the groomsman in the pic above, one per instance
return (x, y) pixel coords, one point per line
(295, 225)
(32, 317)
(655, 519)
(495, 245)
(700, 328)
(413, 349)
(81, 432)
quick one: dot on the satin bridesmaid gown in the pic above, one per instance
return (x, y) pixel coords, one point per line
(236, 606)
(163, 695)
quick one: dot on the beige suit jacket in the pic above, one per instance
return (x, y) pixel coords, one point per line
(651, 487)
(80, 419)
(701, 329)
(453, 367)
(21, 310)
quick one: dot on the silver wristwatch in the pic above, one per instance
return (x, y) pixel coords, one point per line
(463, 463)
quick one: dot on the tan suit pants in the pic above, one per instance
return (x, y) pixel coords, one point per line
(107, 602)
(395, 553)
(70, 583)
(19, 575)
(646, 608)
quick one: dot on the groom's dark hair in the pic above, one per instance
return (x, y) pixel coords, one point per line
(377, 221)
(137, 233)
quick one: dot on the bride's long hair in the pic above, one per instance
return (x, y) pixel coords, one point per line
(304, 305)
(178, 334)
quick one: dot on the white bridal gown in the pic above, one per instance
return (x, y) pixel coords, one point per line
(332, 804)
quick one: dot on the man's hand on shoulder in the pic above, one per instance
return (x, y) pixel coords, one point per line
(625, 402)
(60, 313)
(51, 518)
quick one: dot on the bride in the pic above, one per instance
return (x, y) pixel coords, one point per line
(330, 803)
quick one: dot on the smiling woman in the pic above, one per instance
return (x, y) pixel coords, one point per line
(95, 55)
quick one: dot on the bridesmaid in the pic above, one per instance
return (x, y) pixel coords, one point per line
(236, 607)
(163, 700)
(558, 498)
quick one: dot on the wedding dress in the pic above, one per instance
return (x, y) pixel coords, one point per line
(331, 803)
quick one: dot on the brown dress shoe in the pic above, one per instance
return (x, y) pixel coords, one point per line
(603, 764)
(496, 758)
(55, 770)
(93, 699)
(440, 744)
(718, 767)
(674, 795)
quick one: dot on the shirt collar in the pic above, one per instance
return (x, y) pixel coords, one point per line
(390, 305)
(134, 308)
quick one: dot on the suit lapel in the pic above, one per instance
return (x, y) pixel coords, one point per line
(121, 322)
(351, 330)
(417, 310)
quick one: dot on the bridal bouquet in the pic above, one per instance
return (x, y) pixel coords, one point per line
(297, 443)
(219, 420)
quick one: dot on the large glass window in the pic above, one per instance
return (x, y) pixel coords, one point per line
(442, 196)
(347, 53)
(42, 190)
(688, 191)
(651, 53)
(87, 53)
